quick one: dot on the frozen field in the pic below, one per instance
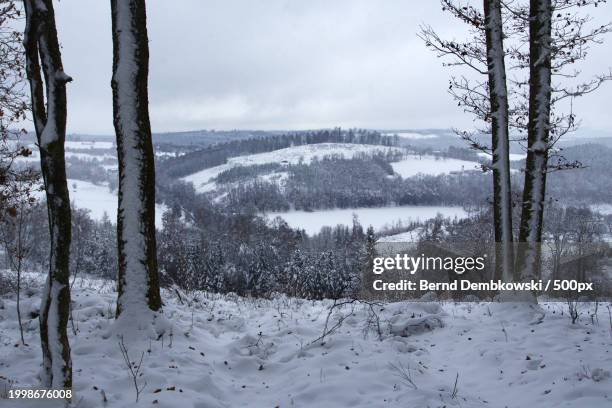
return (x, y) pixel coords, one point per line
(414, 165)
(203, 180)
(313, 221)
(229, 352)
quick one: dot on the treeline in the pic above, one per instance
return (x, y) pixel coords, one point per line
(218, 154)
(251, 258)
(344, 183)
(24, 240)
(202, 248)
(587, 185)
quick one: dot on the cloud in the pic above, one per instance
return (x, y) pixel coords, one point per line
(275, 64)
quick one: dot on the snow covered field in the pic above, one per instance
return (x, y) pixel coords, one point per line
(414, 164)
(202, 180)
(313, 221)
(80, 153)
(413, 135)
(513, 156)
(99, 200)
(227, 351)
(88, 145)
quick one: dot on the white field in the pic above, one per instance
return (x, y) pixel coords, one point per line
(70, 146)
(203, 180)
(431, 165)
(231, 352)
(381, 217)
(81, 145)
(513, 156)
(413, 135)
(99, 200)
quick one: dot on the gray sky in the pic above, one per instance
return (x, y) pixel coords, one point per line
(280, 64)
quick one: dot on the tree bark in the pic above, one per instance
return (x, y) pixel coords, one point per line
(138, 277)
(534, 193)
(43, 52)
(498, 96)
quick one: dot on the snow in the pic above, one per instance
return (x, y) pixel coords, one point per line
(408, 236)
(431, 165)
(290, 155)
(313, 221)
(94, 156)
(513, 156)
(88, 145)
(98, 199)
(413, 135)
(278, 177)
(604, 209)
(227, 351)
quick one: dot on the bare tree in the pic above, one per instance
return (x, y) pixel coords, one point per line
(534, 190)
(42, 52)
(16, 236)
(557, 234)
(16, 182)
(571, 34)
(138, 276)
(554, 45)
(500, 137)
(487, 100)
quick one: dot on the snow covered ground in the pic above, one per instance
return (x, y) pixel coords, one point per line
(313, 221)
(408, 236)
(425, 164)
(203, 180)
(227, 351)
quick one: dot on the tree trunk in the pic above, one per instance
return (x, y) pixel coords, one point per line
(530, 236)
(138, 279)
(498, 96)
(42, 48)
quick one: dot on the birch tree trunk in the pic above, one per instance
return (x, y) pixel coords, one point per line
(43, 52)
(498, 96)
(138, 278)
(530, 236)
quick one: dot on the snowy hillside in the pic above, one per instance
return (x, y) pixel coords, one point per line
(414, 164)
(227, 351)
(202, 180)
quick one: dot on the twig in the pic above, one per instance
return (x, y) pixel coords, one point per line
(133, 368)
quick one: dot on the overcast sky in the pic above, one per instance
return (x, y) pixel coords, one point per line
(279, 64)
